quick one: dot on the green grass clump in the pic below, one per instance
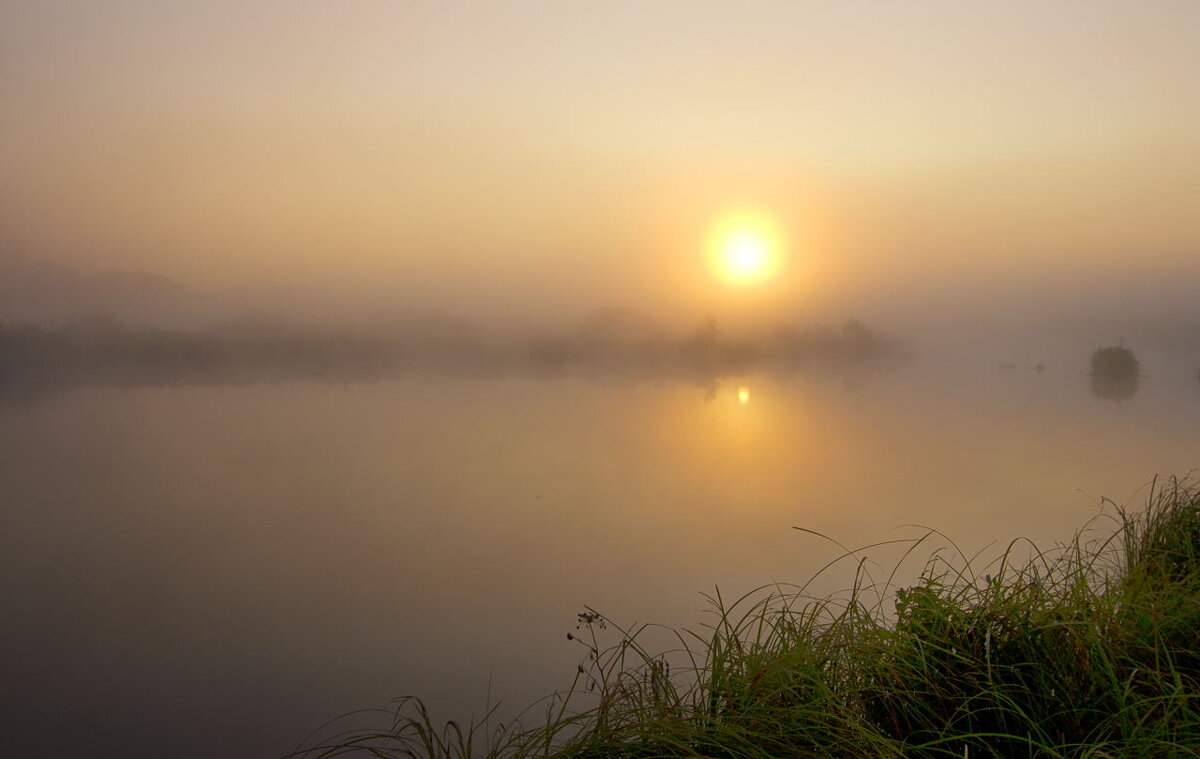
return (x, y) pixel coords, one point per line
(1089, 650)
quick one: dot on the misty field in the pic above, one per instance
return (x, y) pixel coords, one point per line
(1090, 649)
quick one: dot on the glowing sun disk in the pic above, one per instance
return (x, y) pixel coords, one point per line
(745, 248)
(746, 253)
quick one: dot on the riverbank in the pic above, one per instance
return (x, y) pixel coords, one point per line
(1091, 649)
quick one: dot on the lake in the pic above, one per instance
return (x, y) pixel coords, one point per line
(202, 571)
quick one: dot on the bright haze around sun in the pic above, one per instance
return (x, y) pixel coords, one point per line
(527, 160)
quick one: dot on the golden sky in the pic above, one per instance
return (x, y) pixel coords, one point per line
(578, 153)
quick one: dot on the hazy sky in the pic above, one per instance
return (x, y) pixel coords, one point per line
(568, 154)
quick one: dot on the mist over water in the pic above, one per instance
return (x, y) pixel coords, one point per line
(237, 563)
(235, 524)
(350, 351)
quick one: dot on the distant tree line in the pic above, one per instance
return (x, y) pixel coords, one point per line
(102, 350)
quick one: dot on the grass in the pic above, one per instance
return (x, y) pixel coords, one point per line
(1090, 650)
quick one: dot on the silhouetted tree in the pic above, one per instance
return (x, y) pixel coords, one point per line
(1114, 373)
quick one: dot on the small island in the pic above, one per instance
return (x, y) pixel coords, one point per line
(1115, 373)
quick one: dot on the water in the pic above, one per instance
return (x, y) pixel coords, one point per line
(215, 570)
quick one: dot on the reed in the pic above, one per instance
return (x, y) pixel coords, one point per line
(1090, 649)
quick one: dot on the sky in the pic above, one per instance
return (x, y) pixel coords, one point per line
(548, 157)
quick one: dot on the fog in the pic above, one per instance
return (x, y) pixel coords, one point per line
(350, 351)
(519, 162)
(985, 317)
(239, 518)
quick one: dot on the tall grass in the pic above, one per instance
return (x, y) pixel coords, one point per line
(1091, 649)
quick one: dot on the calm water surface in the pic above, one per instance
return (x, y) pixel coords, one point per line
(215, 571)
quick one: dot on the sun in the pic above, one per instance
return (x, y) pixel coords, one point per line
(745, 247)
